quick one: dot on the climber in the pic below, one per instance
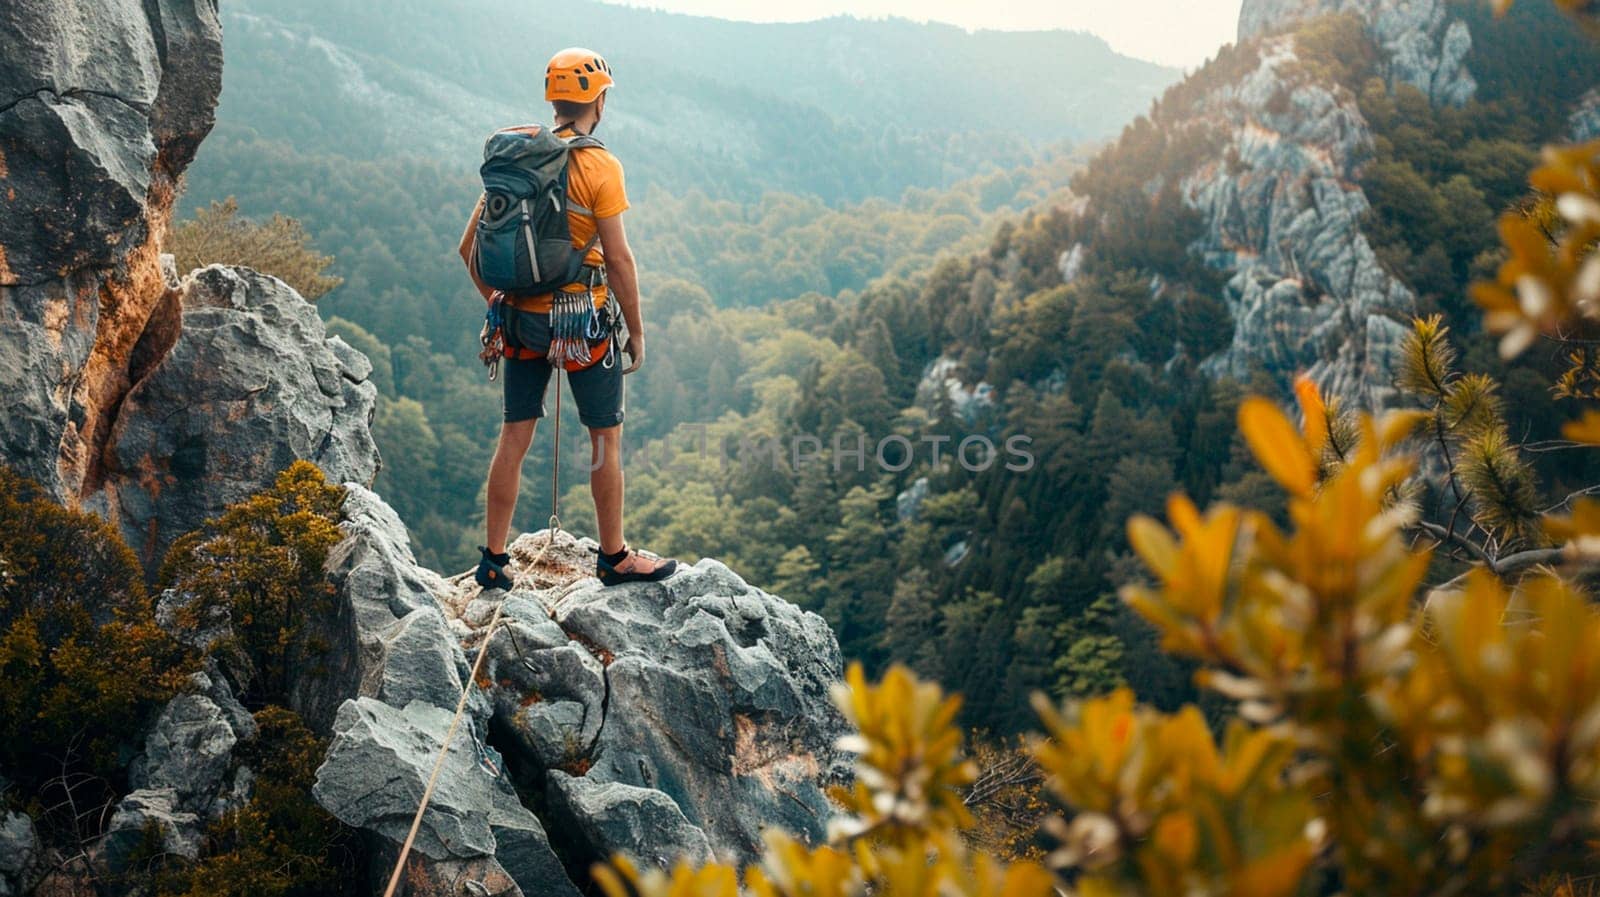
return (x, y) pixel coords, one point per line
(575, 325)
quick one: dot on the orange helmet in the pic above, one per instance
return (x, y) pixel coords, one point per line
(576, 75)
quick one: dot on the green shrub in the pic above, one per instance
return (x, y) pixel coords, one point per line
(261, 563)
(280, 844)
(82, 663)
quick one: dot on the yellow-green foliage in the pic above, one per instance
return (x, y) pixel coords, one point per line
(81, 661)
(278, 246)
(1549, 283)
(1485, 469)
(1444, 740)
(282, 842)
(899, 831)
(261, 563)
(1389, 738)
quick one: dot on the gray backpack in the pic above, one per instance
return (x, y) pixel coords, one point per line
(523, 242)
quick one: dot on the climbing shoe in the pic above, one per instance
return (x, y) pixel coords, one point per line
(492, 570)
(632, 565)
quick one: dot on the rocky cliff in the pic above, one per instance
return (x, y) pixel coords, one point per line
(667, 720)
(1423, 44)
(1279, 197)
(1281, 211)
(150, 401)
(95, 128)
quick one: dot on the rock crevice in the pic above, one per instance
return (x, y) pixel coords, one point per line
(73, 93)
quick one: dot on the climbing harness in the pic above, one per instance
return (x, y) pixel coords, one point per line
(574, 321)
(492, 337)
(483, 650)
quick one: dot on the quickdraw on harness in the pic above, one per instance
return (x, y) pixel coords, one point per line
(493, 338)
(575, 322)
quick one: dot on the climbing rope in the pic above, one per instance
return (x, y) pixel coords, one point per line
(483, 649)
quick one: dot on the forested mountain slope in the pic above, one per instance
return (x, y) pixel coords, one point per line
(840, 108)
(366, 126)
(1286, 209)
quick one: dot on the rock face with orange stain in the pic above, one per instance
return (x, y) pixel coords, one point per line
(102, 106)
(250, 385)
(123, 390)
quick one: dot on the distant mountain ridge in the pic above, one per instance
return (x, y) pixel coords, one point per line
(836, 108)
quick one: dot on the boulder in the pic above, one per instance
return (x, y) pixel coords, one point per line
(550, 700)
(421, 661)
(378, 766)
(642, 823)
(666, 719)
(102, 106)
(383, 632)
(716, 717)
(19, 852)
(387, 689)
(187, 775)
(179, 832)
(250, 385)
(188, 753)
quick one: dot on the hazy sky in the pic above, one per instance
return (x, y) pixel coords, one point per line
(1176, 32)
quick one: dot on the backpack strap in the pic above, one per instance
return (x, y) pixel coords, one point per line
(575, 142)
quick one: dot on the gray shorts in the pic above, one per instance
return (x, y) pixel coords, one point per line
(597, 388)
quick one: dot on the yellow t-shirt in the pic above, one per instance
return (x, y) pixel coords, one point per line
(594, 182)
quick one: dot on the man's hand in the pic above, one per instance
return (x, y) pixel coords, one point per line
(634, 348)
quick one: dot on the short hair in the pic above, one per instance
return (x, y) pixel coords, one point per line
(569, 109)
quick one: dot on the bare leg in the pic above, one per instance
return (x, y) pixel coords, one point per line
(605, 482)
(505, 478)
